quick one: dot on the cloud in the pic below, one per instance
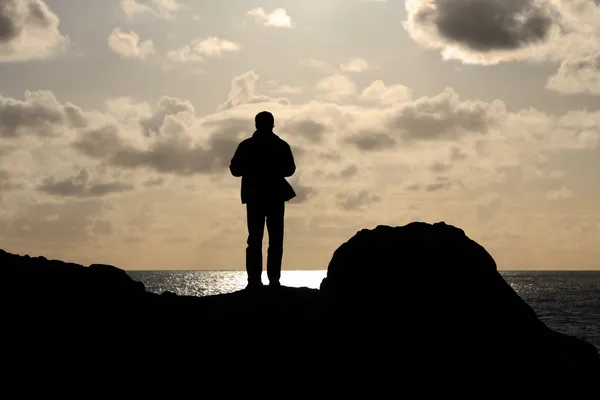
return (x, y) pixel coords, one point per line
(29, 30)
(156, 8)
(56, 222)
(303, 192)
(99, 142)
(169, 156)
(284, 89)
(420, 136)
(561, 194)
(494, 31)
(307, 128)
(356, 201)
(441, 183)
(278, 18)
(483, 32)
(439, 167)
(336, 87)
(167, 106)
(379, 92)
(201, 49)
(128, 45)
(356, 65)
(443, 116)
(371, 141)
(156, 182)
(40, 114)
(319, 65)
(243, 91)
(577, 75)
(82, 185)
(457, 154)
(7, 182)
(349, 172)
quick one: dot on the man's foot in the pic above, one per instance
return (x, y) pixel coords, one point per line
(274, 284)
(254, 285)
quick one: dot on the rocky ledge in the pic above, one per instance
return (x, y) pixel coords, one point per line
(418, 311)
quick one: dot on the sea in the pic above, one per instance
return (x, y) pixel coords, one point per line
(567, 302)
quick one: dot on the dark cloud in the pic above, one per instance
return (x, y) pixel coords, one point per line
(330, 155)
(81, 185)
(349, 172)
(441, 183)
(456, 154)
(150, 183)
(6, 150)
(367, 141)
(75, 116)
(356, 201)
(311, 130)
(441, 117)
(28, 30)
(9, 26)
(481, 26)
(174, 151)
(222, 150)
(168, 156)
(303, 192)
(99, 142)
(32, 116)
(414, 187)
(7, 182)
(439, 167)
(133, 239)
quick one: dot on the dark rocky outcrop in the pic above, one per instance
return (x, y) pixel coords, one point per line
(418, 311)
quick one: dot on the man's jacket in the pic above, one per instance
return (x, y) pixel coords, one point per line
(264, 161)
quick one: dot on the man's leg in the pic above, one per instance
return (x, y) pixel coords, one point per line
(275, 216)
(256, 228)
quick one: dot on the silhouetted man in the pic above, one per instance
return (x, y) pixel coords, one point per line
(264, 161)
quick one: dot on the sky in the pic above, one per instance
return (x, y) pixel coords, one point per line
(118, 120)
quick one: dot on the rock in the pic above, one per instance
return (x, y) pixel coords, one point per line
(444, 291)
(423, 270)
(415, 312)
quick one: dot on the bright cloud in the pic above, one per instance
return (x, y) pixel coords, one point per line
(379, 92)
(356, 65)
(201, 49)
(278, 18)
(157, 8)
(128, 45)
(336, 87)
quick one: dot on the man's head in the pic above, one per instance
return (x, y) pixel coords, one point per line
(264, 121)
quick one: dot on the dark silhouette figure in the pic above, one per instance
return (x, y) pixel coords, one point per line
(264, 161)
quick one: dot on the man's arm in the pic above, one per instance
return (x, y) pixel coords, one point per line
(238, 162)
(289, 166)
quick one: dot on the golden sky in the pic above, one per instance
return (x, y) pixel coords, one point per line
(118, 120)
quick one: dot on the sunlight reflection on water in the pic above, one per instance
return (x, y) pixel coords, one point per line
(206, 283)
